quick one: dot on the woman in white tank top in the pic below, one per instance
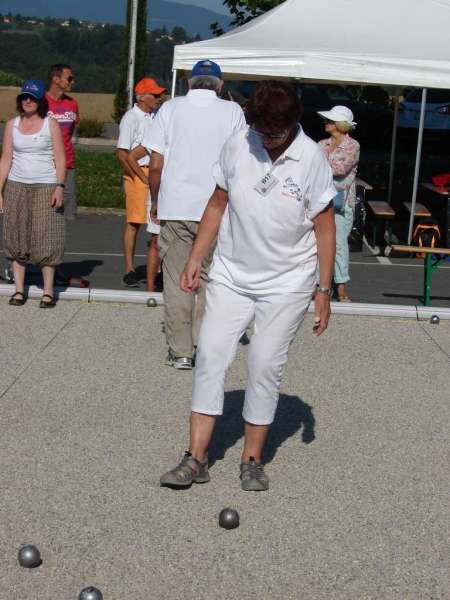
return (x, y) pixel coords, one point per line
(32, 174)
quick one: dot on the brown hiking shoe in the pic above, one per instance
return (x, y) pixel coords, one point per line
(187, 472)
(253, 478)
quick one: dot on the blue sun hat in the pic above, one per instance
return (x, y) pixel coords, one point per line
(33, 87)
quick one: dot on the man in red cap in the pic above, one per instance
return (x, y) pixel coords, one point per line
(132, 129)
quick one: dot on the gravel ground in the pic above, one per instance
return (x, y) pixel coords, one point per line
(357, 458)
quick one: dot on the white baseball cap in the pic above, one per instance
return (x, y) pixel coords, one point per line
(338, 113)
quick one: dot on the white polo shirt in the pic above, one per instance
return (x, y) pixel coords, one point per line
(132, 130)
(266, 240)
(190, 132)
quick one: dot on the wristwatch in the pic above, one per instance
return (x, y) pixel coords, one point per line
(324, 290)
(61, 185)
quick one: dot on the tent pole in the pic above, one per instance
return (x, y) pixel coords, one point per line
(174, 82)
(393, 147)
(417, 167)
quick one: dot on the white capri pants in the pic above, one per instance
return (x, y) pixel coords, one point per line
(227, 315)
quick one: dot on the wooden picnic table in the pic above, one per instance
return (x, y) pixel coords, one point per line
(434, 257)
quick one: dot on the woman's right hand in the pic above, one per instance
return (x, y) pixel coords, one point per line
(1, 203)
(190, 277)
(57, 198)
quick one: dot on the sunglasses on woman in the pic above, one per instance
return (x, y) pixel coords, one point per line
(25, 97)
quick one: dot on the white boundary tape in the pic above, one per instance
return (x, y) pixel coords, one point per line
(137, 297)
(127, 296)
(34, 291)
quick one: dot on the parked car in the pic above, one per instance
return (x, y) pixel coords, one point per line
(374, 121)
(437, 110)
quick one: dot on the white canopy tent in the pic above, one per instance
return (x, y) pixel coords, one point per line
(372, 42)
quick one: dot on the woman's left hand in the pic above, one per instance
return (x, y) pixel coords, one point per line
(57, 198)
(322, 312)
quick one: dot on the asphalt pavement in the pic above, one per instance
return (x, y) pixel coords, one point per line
(94, 252)
(357, 460)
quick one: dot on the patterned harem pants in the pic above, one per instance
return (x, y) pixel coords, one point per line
(33, 231)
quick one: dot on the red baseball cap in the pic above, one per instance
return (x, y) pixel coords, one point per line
(148, 86)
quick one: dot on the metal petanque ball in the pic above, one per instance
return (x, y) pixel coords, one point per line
(229, 518)
(29, 557)
(151, 302)
(90, 593)
(435, 320)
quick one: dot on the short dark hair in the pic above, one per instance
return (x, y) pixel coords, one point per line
(57, 70)
(274, 105)
(42, 109)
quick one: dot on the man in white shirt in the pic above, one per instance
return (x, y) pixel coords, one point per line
(185, 141)
(132, 130)
(273, 205)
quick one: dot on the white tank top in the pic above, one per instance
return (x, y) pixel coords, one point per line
(33, 157)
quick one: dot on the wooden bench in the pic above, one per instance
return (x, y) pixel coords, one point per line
(430, 265)
(419, 211)
(382, 212)
(361, 183)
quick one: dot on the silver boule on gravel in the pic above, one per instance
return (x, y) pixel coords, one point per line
(229, 518)
(29, 556)
(151, 302)
(90, 593)
(435, 320)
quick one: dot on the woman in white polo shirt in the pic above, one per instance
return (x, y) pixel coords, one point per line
(273, 206)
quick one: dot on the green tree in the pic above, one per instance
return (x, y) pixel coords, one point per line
(121, 99)
(244, 11)
(179, 35)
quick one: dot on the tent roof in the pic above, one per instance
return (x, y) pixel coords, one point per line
(393, 42)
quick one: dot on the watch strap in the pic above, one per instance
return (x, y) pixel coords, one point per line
(324, 290)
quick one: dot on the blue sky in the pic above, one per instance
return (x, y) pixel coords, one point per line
(215, 5)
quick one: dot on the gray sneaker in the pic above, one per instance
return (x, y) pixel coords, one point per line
(187, 472)
(253, 478)
(183, 363)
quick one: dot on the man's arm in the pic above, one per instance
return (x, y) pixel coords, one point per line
(154, 180)
(122, 157)
(325, 230)
(133, 157)
(59, 154)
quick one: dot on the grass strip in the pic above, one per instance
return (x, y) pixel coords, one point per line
(98, 180)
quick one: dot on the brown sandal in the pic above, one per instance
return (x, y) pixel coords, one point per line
(13, 301)
(50, 304)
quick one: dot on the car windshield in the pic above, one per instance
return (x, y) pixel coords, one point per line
(310, 95)
(433, 96)
(338, 95)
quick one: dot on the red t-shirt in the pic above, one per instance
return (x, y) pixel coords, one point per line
(65, 111)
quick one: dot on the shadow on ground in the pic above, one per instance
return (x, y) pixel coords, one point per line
(82, 268)
(67, 274)
(292, 416)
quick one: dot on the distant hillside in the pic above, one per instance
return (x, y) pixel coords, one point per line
(94, 54)
(161, 13)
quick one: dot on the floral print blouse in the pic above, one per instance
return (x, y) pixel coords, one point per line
(344, 163)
